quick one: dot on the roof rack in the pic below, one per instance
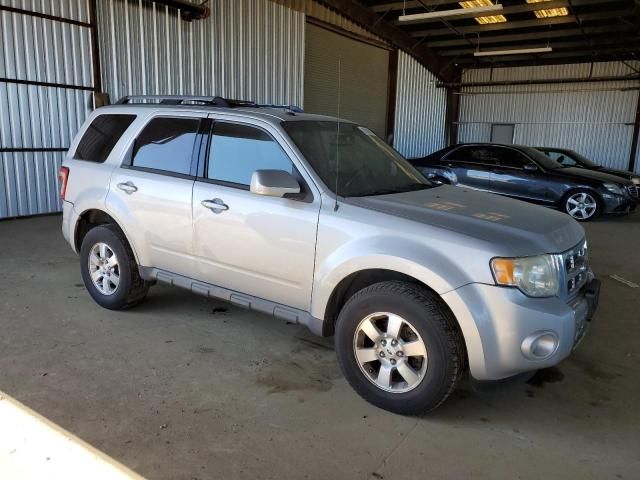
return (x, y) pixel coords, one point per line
(201, 100)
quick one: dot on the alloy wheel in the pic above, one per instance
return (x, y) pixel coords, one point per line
(390, 352)
(104, 268)
(581, 206)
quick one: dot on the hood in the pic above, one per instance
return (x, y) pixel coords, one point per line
(615, 172)
(588, 174)
(512, 227)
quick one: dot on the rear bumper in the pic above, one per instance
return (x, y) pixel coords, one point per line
(507, 333)
(69, 221)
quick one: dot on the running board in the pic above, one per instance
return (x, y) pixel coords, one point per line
(249, 302)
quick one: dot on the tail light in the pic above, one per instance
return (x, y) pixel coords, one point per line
(63, 176)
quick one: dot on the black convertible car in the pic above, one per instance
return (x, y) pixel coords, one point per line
(528, 174)
(571, 158)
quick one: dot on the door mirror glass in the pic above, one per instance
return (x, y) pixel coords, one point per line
(274, 183)
(530, 167)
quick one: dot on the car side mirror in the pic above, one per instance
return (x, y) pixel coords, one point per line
(274, 183)
(530, 167)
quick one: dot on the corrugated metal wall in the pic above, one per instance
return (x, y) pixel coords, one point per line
(39, 119)
(246, 49)
(595, 119)
(420, 110)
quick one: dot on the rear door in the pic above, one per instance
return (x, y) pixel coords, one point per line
(253, 244)
(472, 166)
(151, 192)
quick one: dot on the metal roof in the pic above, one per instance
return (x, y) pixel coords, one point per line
(586, 31)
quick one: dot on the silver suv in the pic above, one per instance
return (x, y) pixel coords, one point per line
(318, 221)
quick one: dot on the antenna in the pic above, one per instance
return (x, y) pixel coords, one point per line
(335, 207)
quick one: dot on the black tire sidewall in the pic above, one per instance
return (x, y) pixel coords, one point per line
(104, 234)
(435, 385)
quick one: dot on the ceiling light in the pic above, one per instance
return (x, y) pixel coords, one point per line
(549, 12)
(519, 51)
(491, 19)
(483, 3)
(419, 17)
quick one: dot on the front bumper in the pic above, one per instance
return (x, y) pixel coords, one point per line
(502, 327)
(619, 203)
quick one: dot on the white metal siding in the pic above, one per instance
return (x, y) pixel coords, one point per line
(595, 119)
(420, 110)
(246, 49)
(39, 117)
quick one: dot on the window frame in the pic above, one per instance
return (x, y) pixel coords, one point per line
(127, 162)
(306, 194)
(517, 152)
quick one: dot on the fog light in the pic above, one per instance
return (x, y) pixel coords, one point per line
(540, 345)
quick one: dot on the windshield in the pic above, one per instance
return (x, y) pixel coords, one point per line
(582, 160)
(541, 159)
(363, 163)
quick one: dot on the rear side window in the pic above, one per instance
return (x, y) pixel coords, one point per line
(478, 155)
(238, 150)
(166, 144)
(101, 136)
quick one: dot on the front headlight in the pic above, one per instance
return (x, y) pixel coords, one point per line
(534, 276)
(614, 188)
(635, 180)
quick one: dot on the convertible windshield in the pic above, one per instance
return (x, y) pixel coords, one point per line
(363, 164)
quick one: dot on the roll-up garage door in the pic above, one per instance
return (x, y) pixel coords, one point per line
(46, 83)
(364, 81)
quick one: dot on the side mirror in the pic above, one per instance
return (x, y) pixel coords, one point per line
(530, 167)
(274, 183)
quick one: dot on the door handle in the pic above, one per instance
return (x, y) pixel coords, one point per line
(128, 187)
(216, 205)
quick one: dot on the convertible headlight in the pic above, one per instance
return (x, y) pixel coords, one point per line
(614, 188)
(534, 276)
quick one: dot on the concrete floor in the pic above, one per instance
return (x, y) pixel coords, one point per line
(179, 388)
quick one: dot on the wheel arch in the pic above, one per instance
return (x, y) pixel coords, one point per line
(91, 218)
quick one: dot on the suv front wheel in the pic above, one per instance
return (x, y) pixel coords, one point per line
(109, 269)
(398, 347)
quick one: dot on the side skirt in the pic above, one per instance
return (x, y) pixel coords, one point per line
(290, 314)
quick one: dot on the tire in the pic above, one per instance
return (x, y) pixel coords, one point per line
(131, 289)
(424, 317)
(572, 200)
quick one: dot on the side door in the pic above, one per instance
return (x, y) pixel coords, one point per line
(472, 166)
(254, 244)
(518, 176)
(151, 192)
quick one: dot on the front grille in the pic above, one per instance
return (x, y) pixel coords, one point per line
(634, 191)
(576, 269)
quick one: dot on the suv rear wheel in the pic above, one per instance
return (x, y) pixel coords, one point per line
(398, 347)
(109, 269)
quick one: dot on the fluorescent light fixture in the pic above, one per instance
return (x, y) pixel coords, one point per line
(419, 17)
(519, 51)
(549, 12)
(483, 3)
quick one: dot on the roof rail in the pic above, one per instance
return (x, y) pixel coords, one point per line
(200, 100)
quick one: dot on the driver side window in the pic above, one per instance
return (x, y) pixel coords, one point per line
(239, 150)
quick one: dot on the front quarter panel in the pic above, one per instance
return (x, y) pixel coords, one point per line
(354, 239)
